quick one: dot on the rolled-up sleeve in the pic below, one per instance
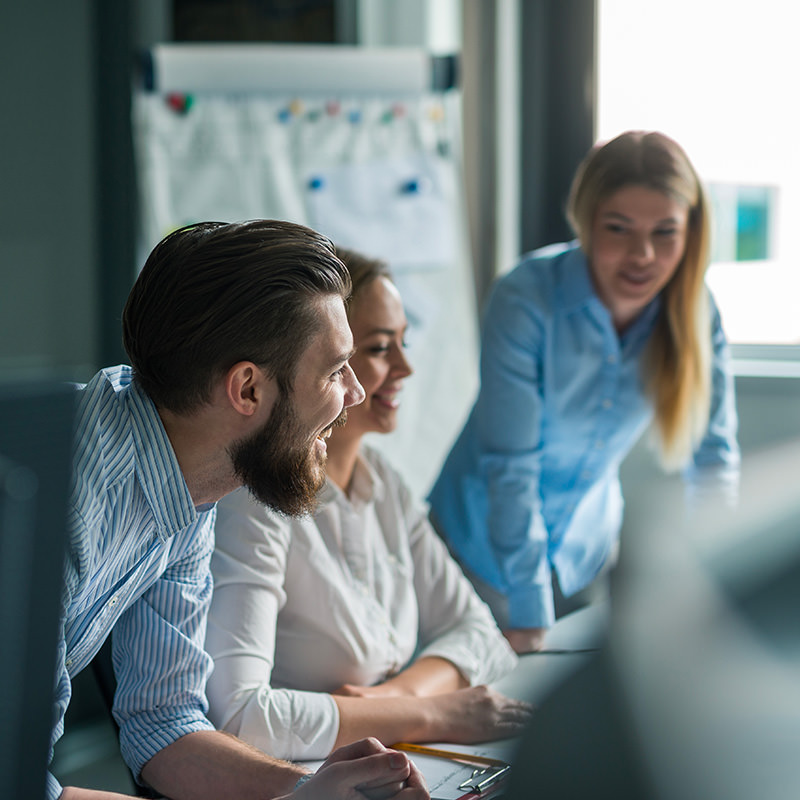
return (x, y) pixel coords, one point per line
(158, 651)
(509, 417)
(714, 470)
(455, 624)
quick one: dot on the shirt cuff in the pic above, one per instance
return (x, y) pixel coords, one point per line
(484, 658)
(531, 607)
(141, 738)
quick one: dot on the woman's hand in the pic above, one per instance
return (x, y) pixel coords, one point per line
(525, 640)
(477, 714)
(365, 769)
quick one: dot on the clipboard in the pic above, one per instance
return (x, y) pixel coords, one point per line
(487, 779)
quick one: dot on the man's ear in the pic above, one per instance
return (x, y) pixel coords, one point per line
(248, 388)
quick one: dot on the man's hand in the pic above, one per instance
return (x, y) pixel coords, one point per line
(525, 640)
(365, 769)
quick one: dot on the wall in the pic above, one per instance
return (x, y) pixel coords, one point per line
(47, 256)
(49, 273)
(769, 414)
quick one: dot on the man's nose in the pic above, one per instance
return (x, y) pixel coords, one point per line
(355, 393)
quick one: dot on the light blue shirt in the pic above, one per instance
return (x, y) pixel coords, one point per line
(138, 561)
(532, 483)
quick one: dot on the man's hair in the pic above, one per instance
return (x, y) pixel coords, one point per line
(213, 294)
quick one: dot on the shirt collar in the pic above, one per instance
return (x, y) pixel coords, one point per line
(157, 467)
(641, 328)
(575, 283)
(366, 486)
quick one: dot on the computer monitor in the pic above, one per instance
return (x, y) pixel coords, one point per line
(36, 424)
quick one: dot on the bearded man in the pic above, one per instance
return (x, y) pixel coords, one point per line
(239, 346)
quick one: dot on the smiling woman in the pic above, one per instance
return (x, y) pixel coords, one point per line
(638, 242)
(585, 344)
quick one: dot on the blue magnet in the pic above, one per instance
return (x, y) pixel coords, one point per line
(315, 183)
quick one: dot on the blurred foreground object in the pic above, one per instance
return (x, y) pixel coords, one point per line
(697, 691)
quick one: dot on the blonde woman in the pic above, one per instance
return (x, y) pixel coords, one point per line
(354, 621)
(584, 345)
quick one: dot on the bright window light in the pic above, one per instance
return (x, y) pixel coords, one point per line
(720, 78)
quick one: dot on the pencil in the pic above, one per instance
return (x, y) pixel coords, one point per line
(452, 755)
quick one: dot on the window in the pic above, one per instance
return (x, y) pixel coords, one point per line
(719, 78)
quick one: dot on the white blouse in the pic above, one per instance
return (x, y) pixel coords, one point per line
(351, 594)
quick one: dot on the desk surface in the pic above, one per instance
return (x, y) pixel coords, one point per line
(570, 642)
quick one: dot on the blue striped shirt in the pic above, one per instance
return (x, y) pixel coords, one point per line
(532, 483)
(138, 562)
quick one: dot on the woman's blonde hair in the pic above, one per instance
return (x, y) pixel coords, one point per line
(677, 369)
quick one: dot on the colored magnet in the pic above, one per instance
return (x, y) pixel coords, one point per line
(415, 185)
(180, 103)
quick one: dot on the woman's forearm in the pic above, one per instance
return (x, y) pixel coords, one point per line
(388, 719)
(474, 714)
(427, 676)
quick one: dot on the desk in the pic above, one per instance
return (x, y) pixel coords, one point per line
(569, 644)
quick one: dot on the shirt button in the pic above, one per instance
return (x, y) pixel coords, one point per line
(611, 358)
(586, 475)
(607, 403)
(599, 444)
(68, 663)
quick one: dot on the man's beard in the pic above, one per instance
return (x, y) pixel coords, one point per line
(278, 463)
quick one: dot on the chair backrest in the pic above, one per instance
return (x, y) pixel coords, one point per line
(36, 423)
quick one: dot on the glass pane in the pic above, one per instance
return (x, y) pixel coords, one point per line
(720, 79)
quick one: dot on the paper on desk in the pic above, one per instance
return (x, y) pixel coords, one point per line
(444, 776)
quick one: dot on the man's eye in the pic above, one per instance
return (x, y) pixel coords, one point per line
(379, 348)
(666, 232)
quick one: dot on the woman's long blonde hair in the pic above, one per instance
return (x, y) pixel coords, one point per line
(677, 368)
